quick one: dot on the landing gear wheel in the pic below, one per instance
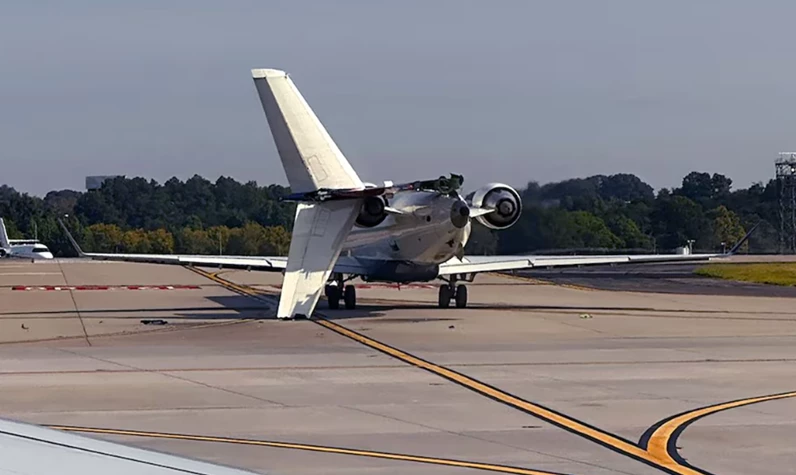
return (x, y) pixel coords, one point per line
(461, 296)
(333, 296)
(350, 297)
(444, 296)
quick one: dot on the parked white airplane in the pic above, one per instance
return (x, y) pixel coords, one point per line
(21, 248)
(345, 228)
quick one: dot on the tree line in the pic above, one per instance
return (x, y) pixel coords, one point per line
(621, 212)
(598, 213)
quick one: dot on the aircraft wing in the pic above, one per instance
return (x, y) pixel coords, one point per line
(34, 450)
(343, 264)
(476, 264)
(262, 263)
(267, 263)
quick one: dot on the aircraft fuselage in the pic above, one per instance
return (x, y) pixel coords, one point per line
(26, 251)
(410, 246)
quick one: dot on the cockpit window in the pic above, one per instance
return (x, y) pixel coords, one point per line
(40, 249)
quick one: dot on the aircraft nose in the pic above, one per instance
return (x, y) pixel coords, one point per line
(460, 214)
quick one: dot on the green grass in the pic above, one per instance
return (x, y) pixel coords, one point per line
(774, 273)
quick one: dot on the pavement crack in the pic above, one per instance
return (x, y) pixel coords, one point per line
(74, 302)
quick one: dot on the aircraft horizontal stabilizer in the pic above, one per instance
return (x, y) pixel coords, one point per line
(4, 243)
(319, 231)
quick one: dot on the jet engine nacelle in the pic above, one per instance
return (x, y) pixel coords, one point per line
(372, 212)
(3, 253)
(503, 199)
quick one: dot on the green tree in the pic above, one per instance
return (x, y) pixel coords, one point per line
(628, 232)
(103, 238)
(579, 229)
(194, 241)
(136, 241)
(727, 227)
(220, 236)
(678, 219)
(161, 241)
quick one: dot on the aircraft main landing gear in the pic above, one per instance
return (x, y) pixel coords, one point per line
(336, 291)
(350, 297)
(451, 291)
(333, 296)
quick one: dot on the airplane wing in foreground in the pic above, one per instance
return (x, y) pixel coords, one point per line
(34, 450)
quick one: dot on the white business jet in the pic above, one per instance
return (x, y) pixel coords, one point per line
(21, 248)
(345, 228)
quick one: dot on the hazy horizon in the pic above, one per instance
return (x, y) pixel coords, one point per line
(509, 91)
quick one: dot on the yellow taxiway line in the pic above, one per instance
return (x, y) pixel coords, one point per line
(311, 448)
(656, 449)
(241, 289)
(548, 415)
(660, 440)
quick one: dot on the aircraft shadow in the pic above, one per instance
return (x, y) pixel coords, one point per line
(229, 307)
(232, 307)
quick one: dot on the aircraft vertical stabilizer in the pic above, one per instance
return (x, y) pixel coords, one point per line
(309, 156)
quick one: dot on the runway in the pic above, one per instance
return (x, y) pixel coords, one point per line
(535, 378)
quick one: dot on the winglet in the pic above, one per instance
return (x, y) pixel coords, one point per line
(740, 243)
(71, 239)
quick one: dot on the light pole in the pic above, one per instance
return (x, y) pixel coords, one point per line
(218, 235)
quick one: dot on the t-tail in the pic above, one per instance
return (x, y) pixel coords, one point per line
(312, 162)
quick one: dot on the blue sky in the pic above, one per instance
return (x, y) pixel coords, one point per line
(503, 90)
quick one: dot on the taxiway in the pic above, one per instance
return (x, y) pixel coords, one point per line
(534, 378)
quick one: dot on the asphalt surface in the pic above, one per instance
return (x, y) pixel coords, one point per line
(533, 378)
(673, 278)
